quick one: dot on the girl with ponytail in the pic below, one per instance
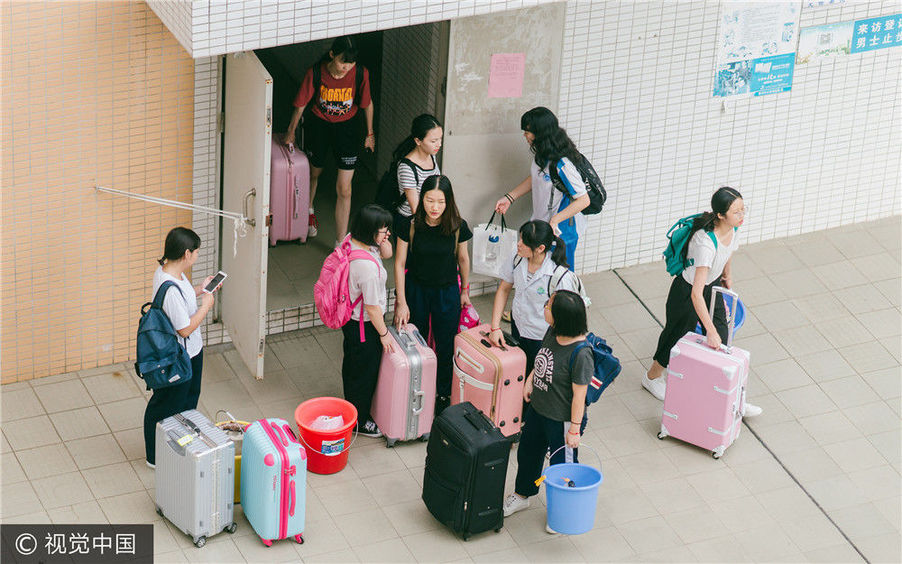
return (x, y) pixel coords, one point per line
(180, 252)
(540, 254)
(416, 161)
(713, 240)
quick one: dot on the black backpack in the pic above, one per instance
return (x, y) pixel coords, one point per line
(388, 194)
(162, 359)
(597, 194)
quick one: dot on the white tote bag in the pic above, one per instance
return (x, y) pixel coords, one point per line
(492, 245)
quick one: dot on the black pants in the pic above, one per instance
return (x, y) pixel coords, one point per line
(530, 346)
(441, 305)
(166, 402)
(541, 434)
(360, 366)
(681, 317)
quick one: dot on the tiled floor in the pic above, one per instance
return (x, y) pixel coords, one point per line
(815, 478)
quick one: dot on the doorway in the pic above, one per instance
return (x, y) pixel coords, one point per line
(407, 67)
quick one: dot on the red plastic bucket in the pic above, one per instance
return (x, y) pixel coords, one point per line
(327, 451)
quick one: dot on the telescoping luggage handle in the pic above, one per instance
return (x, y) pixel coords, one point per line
(408, 341)
(731, 313)
(571, 484)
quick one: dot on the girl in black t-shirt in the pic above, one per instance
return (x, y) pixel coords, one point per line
(432, 249)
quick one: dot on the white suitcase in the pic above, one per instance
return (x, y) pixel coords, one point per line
(195, 475)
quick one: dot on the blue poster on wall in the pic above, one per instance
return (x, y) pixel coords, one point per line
(772, 74)
(756, 48)
(877, 33)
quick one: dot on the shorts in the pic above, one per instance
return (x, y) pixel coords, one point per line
(343, 138)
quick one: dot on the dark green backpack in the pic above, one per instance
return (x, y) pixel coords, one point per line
(677, 240)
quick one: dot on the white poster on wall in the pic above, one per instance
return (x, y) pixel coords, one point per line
(756, 43)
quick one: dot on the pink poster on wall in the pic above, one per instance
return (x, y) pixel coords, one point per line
(506, 75)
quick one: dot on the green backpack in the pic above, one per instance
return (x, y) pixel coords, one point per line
(677, 238)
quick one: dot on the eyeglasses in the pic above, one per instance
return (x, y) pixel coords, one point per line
(384, 231)
(742, 213)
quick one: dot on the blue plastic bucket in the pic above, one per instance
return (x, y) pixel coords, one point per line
(571, 494)
(740, 313)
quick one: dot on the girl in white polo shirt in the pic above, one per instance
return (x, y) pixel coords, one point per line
(180, 305)
(539, 265)
(712, 241)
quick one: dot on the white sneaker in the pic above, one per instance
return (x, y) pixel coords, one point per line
(751, 410)
(514, 503)
(150, 465)
(549, 530)
(656, 387)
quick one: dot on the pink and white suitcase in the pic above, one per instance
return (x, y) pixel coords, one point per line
(491, 378)
(404, 402)
(289, 194)
(273, 480)
(706, 389)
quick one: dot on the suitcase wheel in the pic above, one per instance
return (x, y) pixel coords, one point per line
(266, 542)
(661, 436)
(716, 454)
(498, 530)
(299, 539)
(231, 528)
(425, 438)
(199, 543)
(389, 443)
(159, 512)
(466, 536)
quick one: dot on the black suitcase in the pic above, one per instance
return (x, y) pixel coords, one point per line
(466, 466)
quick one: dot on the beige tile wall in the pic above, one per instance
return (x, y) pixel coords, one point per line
(93, 93)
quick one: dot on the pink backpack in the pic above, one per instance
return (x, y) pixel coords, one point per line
(332, 294)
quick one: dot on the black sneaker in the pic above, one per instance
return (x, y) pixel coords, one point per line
(370, 429)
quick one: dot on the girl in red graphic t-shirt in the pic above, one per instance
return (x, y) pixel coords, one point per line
(334, 88)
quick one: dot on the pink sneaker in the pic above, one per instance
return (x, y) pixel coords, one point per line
(312, 225)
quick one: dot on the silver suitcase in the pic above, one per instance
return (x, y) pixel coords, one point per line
(195, 475)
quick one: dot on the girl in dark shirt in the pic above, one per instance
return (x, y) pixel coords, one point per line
(431, 250)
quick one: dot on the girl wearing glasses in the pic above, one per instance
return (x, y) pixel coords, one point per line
(370, 232)
(432, 250)
(690, 292)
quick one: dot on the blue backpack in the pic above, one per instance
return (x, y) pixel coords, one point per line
(607, 366)
(162, 360)
(677, 240)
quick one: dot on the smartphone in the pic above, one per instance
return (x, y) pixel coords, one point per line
(217, 280)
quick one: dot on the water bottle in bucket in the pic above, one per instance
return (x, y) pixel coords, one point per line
(571, 493)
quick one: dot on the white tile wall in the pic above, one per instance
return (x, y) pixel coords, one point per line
(636, 97)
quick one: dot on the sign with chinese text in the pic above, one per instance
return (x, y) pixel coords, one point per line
(756, 48)
(506, 73)
(877, 33)
(88, 544)
(823, 41)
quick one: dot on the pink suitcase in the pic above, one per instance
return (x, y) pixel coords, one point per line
(491, 378)
(289, 194)
(706, 390)
(404, 402)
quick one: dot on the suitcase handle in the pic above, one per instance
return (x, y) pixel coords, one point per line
(479, 421)
(420, 394)
(406, 340)
(466, 358)
(731, 314)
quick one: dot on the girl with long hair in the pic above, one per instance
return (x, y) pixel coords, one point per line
(559, 205)
(431, 251)
(416, 162)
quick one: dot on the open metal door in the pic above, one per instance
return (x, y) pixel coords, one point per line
(245, 180)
